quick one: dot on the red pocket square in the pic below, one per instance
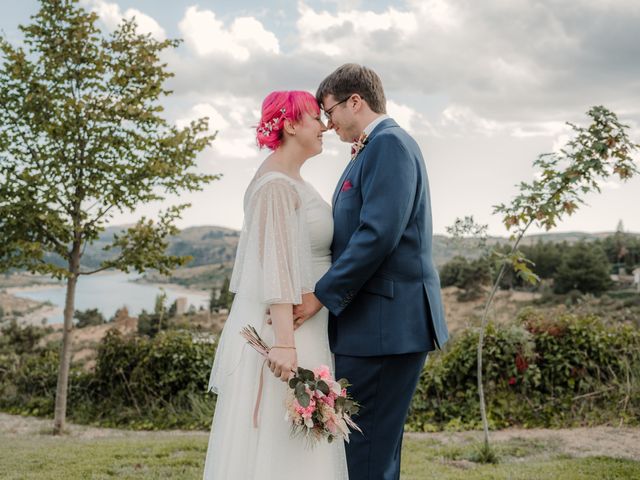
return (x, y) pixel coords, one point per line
(346, 186)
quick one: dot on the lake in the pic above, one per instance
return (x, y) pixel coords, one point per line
(108, 292)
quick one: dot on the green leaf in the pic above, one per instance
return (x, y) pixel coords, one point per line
(293, 382)
(303, 399)
(306, 375)
(323, 387)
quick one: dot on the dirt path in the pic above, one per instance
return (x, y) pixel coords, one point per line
(19, 426)
(576, 442)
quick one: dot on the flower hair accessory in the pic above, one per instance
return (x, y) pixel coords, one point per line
(275, 124)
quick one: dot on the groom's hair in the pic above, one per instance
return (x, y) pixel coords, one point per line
(352, 78)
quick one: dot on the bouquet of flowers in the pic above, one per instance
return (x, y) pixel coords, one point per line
(317, 405)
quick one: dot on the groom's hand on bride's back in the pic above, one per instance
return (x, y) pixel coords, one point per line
(308, 308)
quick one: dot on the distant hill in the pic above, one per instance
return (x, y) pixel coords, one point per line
(207, 245)
(213, 250)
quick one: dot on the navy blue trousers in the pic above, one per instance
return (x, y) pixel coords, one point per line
(383, 386)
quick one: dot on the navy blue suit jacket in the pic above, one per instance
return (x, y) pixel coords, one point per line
(383, 290)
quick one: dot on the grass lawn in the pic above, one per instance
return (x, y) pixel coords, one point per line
(167, 456)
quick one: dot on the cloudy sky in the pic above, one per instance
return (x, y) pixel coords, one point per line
(483, 86)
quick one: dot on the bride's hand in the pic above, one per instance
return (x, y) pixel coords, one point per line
(283, 362)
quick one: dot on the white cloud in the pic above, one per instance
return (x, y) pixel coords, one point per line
(233, 118)
(216, 121)
(146, 24)
(539, 129)
(610, 185)
(437, 13)
(111, 15)
(560, 142)
(462, 119)
(401, 114)
(409, 118)
(352, 31)
(206, 35)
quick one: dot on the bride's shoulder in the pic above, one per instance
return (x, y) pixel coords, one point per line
(274, 180)
(275, 184)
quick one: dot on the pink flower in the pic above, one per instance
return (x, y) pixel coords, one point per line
(329, 400)
(512, 381)
(331, 426)
(322, 371)
(305, 412)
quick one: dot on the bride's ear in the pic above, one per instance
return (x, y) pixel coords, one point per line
(289, 127)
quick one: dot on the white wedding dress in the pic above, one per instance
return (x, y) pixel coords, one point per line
(284, 249)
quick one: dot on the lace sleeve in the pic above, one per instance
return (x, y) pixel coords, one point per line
(273, 257)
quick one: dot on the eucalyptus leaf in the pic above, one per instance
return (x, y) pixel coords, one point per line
(304, 400)
(323, 387)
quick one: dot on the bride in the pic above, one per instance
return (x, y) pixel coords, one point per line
(284, 249)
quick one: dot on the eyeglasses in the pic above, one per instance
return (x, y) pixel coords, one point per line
(329, 111)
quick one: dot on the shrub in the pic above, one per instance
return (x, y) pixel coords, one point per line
(137, 382)
(152, 383)
(89, 317)
(468, 275)
(561, 371)
(20, 339)
(585, 268)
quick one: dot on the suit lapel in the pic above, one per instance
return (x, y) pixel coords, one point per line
(386, 123)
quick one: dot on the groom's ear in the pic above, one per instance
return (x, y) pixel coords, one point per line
(356, 102)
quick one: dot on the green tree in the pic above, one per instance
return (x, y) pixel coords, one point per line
(88, 317)
(468, 275)
(545, 257)
(222, 298)
(585, 267)
(622, 249)
(450, 271)
(226, 296)
(20, 339)
(593, 154)
(146, 324)
(81, 136)
(213, 299)
(150, 324)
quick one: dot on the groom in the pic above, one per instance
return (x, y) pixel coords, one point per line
(382, 290)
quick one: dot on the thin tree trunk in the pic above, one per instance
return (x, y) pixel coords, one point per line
(483, 326)
(67, 341)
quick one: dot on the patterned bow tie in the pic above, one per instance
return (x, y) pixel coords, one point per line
(358, 145)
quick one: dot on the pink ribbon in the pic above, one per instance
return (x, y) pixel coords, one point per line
(256, 408)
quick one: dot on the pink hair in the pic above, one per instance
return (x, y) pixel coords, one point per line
(278, 107)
